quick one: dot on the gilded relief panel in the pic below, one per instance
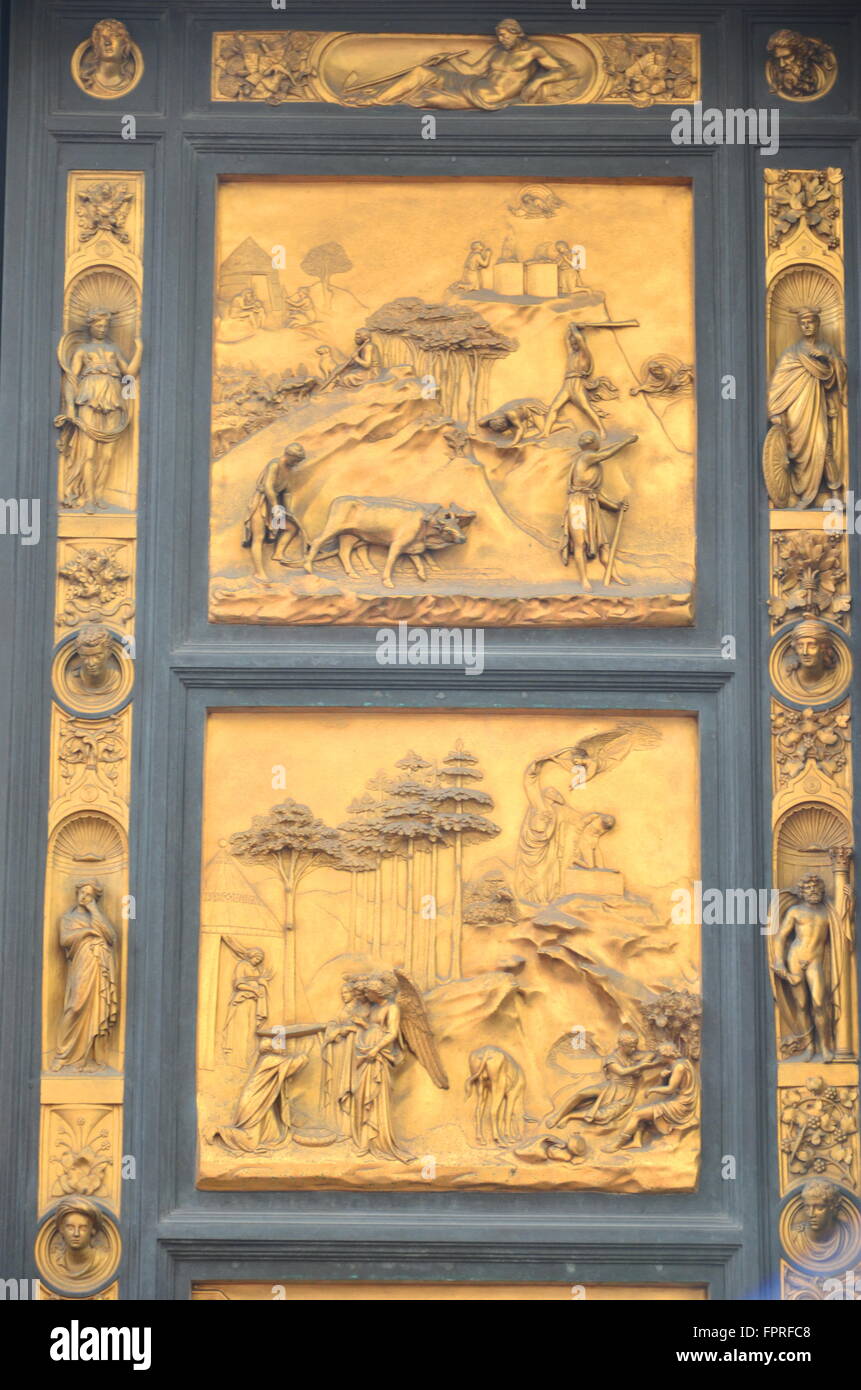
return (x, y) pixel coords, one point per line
(87, 902)
(330, 1292)
(100, 351)
(92, 763)
(447, 948)
(466, 400)
(86, 921)
(811, 941)
(466, 72)
(82, 1147)
(95, 583)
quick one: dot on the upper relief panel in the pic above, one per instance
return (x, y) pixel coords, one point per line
(463, 73)
(466, 400)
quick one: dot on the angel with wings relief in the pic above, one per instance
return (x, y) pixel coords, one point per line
(395, 1023)
(552, 818)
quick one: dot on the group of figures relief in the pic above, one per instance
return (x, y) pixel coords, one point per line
(412, 529)
(424, 984)
(400, 464)
(631, 1096)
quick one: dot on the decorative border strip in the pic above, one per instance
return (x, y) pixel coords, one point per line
(811, 934)
(88, 907)
(469, 72)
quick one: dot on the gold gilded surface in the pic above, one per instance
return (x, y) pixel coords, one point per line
(82, 1143)
(455, 72)
(811, 938)
(441, 948)
(109, 63)
(481, 416)
(331, 1292)
(78, 1246)
(92, 765)
(100, 350)
(108, 1295)
(798, 67)
(84, 961)
(95, 583)
(87, 903)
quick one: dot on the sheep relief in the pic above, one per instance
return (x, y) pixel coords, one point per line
(459, 400)
(444, 948)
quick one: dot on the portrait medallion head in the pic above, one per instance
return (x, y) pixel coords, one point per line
(93, 671)
(821, 1202)
(799, 68)
(109, 63)
(810, 664)
(820, 1227)
(78, 1246)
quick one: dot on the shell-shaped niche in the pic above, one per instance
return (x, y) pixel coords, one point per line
(104, 288)
(803, 287)
(804, 838)
(90, 839)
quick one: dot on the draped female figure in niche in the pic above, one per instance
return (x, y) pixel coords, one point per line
(95, 412)
(90, 1006)
(804, 452)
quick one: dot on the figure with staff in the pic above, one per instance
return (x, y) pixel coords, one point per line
(584, 536)
(363, 363)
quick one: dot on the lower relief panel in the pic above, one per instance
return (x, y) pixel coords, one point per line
(447, 949)
(331, 1292)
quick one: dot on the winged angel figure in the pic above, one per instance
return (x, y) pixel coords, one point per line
(551, 815)
(395, 1022)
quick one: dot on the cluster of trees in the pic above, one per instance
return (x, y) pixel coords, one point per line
(452, 343)
(676, 1016)
(402, 842)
